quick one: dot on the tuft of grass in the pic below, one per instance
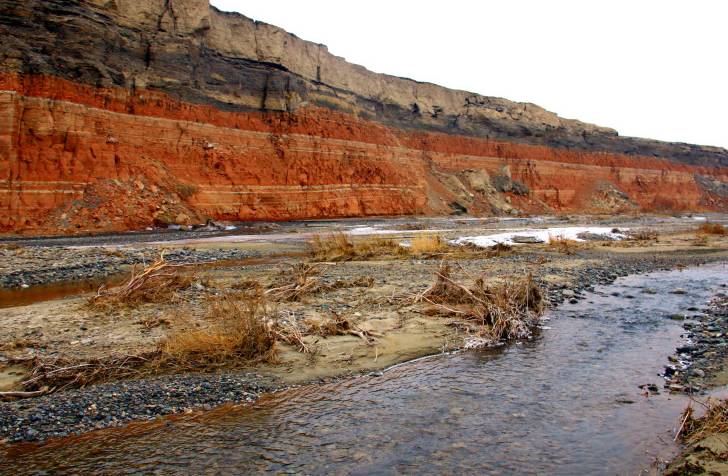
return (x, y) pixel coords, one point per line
(712, 229)
(562, 245)
(715, 420)
(333, 247)
(427, 244)
(503, 310)
(239, 332)
(339, 247)
(643, 235)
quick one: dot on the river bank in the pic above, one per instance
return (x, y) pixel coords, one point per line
(375, 294)
(466, 412)
(698, 366)
(105, 405)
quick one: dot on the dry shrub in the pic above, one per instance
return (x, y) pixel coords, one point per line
(302, 280)
(333, 247)
(338, 325)
(55, 374)
(297, 282)
(155, 283)
(504, 310)
(643, 235)
(501, 249)
(338, 247)
(239, 332)
(715, 420)
(700, 240)
(427, 244)
(562, 245)
(712, 229)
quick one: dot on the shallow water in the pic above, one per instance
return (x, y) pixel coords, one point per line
(566, 403)
(48, 292)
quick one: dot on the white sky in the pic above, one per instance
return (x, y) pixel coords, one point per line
(648, 68)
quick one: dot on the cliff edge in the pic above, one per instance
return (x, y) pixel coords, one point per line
(117, 114)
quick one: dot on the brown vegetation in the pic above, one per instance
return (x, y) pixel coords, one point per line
(562, 245)
(715, 420)
(239, 332)
(55, 374)
(503, 310)
(338, 247)
(712, 229)
(643, 235)
(427, 243)
(303, 279)
(155, 283)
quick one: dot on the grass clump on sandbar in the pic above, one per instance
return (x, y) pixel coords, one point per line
(502, 310)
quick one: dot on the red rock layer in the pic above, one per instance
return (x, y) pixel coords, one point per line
(75, 157)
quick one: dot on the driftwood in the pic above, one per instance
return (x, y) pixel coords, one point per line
(17, 395)
(502, 310)
(152, 283)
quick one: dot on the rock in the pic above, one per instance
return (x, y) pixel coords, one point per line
(677, 291)
(526, 239)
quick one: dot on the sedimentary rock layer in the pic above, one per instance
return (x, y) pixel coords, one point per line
(119, 114)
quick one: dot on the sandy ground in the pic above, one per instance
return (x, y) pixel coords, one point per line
(69, 328)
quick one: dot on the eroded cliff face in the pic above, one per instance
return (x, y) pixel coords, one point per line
(119, 114)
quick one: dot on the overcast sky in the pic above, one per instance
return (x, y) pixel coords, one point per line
(648, 68)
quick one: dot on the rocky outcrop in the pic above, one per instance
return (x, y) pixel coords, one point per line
(116, 114)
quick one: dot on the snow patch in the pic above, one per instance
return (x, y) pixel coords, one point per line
(542, 235)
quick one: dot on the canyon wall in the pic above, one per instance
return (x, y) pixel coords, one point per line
(118, 114)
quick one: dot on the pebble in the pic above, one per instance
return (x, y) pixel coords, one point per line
(45, 265)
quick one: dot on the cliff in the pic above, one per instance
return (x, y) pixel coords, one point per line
(117, 114)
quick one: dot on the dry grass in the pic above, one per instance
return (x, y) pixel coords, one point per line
(297, 282)
(563, 245)
(643, 235)
(339, 247)
(55, 374)
(302, 280)
(712, 229)
(715, 420)
(155, 283)
(504, 310)
(339, 325)
(239, 332)
(700, 240)
(427, 244)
